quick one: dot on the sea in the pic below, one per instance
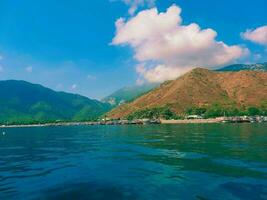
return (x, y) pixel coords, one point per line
(183, 161)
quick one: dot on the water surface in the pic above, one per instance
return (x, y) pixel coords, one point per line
(218, 161)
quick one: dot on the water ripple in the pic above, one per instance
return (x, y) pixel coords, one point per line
(220, 161)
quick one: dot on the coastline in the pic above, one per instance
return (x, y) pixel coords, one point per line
(192, 121)
(189, 121)
(141, 122)
(50, 124)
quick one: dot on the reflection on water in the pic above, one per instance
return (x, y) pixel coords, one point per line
(219, 161)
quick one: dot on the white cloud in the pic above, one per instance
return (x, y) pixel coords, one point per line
(74, 87)
(258, 35)
(29, 69)
(160, 73)
(1, 57)
(135, 4)
(91, 77)
(161, 38)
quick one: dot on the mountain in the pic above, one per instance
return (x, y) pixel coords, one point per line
(239, 67)
(128, 94)
(23, 102)
(201, 88)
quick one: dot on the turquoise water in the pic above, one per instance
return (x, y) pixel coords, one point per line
(220, 161)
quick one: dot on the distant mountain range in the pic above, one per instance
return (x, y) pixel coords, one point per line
(23, 102)
(128, 94)
(231, 86)
(202, 88)
(239, 67)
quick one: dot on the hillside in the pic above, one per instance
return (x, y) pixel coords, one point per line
(23, 102)
(202, 88)
(239, 67)
(128, 94)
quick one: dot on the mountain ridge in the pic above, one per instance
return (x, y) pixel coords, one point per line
(239, 67)
(21, 101)
(202, 88)
(127, 94)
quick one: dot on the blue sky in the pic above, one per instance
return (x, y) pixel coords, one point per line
(66, 45)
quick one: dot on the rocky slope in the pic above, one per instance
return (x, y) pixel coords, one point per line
(201, 88)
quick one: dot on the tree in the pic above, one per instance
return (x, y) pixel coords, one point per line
(252, 111)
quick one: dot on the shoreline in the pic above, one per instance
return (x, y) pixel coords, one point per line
(125, 122)
(50, 125)
(192, 121)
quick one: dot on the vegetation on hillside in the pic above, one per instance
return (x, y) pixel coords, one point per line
(215, 110)
(239, 67)
(153, 113)
(25, 103)
(128, 94)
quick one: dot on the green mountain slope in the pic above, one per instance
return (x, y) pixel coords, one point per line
(239, 67)
(128, 94)
(23, 102)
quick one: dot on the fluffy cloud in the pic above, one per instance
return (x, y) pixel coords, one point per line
(134, 4)
(159, 73)
(161, 38)
(258, 35)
